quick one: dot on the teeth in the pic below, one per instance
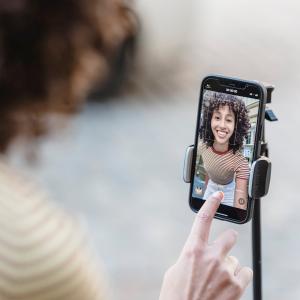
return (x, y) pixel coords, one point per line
(221, 134)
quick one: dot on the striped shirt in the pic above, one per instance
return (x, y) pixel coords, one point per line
(42, 250)
(221, 167)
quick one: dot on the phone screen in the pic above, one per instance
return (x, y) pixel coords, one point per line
(226, 144)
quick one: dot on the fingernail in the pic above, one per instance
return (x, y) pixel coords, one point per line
(235, 233)
(251, 272)
(219, 195)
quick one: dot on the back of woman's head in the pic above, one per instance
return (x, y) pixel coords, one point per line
(51, 53)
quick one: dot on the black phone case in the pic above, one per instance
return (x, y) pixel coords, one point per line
(257, 146)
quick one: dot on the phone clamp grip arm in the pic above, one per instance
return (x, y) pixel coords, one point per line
(260, 176)
(187, 167)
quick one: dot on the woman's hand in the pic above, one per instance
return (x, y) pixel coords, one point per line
(205, 271)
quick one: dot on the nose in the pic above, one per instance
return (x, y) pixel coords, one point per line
(222, 123)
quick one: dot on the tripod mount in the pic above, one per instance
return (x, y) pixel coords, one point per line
(258, 187)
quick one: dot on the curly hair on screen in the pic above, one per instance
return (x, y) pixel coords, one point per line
(51, 53)
(237, 106)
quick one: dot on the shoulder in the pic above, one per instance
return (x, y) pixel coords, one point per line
(240, 158)
(241, 166)
(43, 250)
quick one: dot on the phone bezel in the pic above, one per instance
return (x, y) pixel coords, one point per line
(227, 213)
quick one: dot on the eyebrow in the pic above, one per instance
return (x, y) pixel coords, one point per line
(231, 114)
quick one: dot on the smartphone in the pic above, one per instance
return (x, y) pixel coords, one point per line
(227, 142)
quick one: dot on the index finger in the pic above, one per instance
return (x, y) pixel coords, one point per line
(201, 227)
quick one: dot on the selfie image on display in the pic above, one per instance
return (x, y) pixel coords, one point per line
(226, 137)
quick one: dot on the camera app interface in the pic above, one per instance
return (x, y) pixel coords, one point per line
(226, 138)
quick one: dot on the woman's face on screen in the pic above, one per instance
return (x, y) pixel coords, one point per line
(222, 124)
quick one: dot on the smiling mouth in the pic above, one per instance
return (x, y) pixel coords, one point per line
(221, 134)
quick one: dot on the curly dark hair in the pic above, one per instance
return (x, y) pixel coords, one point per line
(51, 54)
(212, 102)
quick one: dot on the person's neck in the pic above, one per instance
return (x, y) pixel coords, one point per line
(220, 147)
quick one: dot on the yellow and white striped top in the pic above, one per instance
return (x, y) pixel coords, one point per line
(43, 255)
(222, 167)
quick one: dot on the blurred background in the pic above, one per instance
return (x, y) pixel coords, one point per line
(118, 164)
